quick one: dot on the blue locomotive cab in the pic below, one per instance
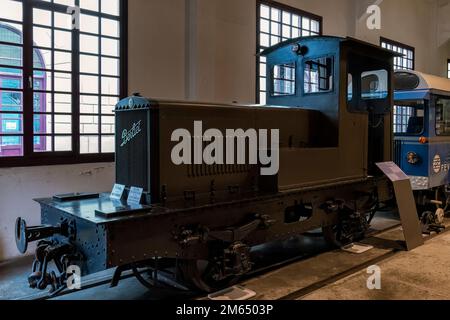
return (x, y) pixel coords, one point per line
(421, 119)
(346, 85)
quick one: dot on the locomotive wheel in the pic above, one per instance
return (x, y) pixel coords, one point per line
(441, 195)
(331, 236)
(204, 275)
(336, 238)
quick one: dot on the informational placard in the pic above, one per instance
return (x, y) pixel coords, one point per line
(135, 196)
(392, 171)
(406, 204)
(117, 192)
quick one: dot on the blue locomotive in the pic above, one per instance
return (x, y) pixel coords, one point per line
(421, 120)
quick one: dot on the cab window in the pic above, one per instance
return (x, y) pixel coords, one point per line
(283, 76)
(318, 75)
(374, 85)
(349, 87)
(443, 117)
(409, 119)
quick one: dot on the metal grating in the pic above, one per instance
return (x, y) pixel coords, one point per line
(203, 170)
(398, 152)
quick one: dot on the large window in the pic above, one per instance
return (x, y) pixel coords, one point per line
(448, 68)
(277, 23)
(402, 114)
(443, 117)
(407, 58)
(60, 80)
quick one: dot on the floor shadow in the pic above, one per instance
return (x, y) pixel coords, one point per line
(385, 244)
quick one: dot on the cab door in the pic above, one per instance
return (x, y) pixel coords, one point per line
(411, 121)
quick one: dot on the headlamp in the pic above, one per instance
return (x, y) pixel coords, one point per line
(413, 158)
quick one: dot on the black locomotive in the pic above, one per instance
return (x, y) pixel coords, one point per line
(330, 98)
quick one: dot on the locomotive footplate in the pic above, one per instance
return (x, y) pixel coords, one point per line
(222, 231)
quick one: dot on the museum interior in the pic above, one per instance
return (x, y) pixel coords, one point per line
(224, 149)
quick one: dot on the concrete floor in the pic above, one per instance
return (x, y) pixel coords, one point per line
(302, 277)
(14, 286)
(422, 274)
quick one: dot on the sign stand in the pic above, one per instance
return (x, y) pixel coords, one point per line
(118, 208)
(406, 204)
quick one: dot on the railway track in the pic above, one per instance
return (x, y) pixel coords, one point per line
(263, 274)
(303, 279)
(325, 282)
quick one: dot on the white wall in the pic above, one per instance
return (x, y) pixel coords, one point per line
(218, 63)
(417, 23)
(225, 44)
(156, 48)
(209, 55)
(19, 186)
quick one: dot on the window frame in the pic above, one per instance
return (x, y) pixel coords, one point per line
(294, 81)
(4, 114)
(435, 100)
(282, 7)
(424, 107)
(382, 92)
(448, 68)
(403, 46)
(332, 74)
(30, 157)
